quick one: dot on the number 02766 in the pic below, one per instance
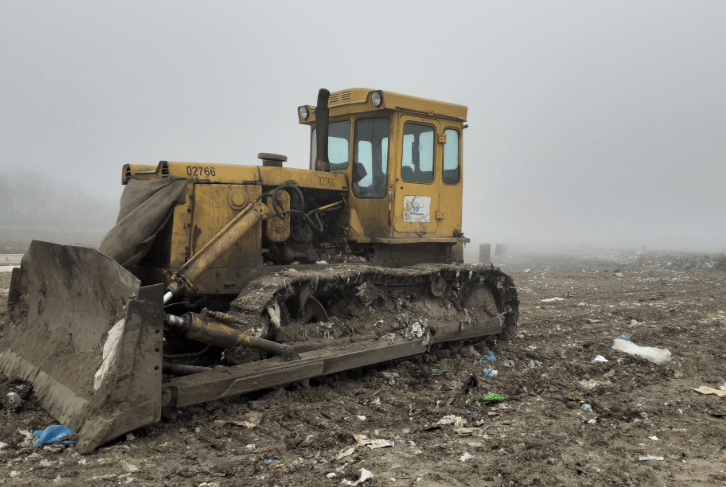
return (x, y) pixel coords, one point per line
(201, 171)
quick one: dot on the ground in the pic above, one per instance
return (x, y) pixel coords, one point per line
(565, 419)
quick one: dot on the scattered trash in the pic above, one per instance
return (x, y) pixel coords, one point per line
(599, 358)
(362, 418)
(457, 421)
(650, 457)
(271, 461)
(489, 356)
(438, 371)
(591, 384)
(379, 444)
(610, 373)
(416, 331)
(492, 397)
(471, 383)
(363, 440)
(249, 420)
(618, 274)
(251, 445)
(364, 475)
(345, 453)
(53, 434)
(388, 336)
(466, 431)
(527, 270)
(490, 372)
(587, 407)
(391, 376)
(12, 400)
(710, 390)
(654, 438)
(466, 456)
(655, 355)
(130, 467)
(624, 337)
(552, 300)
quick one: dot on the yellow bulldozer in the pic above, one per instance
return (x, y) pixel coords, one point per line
(222, 279)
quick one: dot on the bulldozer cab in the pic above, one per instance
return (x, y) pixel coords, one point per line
(402, 158)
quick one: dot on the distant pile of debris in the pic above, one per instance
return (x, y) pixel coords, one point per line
(673, 260)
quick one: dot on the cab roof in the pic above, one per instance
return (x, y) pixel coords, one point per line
(356, 100)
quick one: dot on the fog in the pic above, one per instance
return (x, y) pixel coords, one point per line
(590, 123)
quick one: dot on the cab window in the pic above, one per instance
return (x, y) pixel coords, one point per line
(370, 158)
(417, 160)
(338, 145)
(451, 157)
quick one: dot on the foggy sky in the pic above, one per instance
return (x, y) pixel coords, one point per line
(600, 123)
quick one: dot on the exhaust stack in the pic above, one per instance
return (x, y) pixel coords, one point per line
(322, 117)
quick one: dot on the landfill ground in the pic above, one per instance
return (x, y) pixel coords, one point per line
(543, 433)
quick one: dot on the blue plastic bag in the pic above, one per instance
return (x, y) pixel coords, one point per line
(53, 434)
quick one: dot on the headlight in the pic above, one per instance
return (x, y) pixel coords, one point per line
(376, 98)
(303, 111)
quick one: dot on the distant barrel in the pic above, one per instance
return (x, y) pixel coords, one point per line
(485, 253)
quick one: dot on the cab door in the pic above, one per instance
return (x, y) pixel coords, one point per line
(416, 193)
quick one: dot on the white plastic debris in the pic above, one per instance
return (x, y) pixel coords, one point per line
(345, 453)
(466, 456)
(599, 358)
(650, 457)
(552, 300)
(654, 438)
(364, 475)
(457, 421)
(652, 354)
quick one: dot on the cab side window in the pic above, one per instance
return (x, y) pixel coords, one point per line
(370, 159)
(338, 145)
(451, 157)
(417, 160)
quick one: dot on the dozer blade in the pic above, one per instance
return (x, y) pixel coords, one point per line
(89, 339)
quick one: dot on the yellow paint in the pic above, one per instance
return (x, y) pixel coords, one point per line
(385, 217)
(219, 191)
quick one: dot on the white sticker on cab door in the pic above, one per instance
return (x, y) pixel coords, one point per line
(417, 209)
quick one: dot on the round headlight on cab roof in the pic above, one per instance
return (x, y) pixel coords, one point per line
(303, 111)
(376, 98)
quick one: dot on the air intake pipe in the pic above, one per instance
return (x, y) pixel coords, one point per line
(321, 123)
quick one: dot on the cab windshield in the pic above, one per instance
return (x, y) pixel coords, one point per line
(370, 168)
